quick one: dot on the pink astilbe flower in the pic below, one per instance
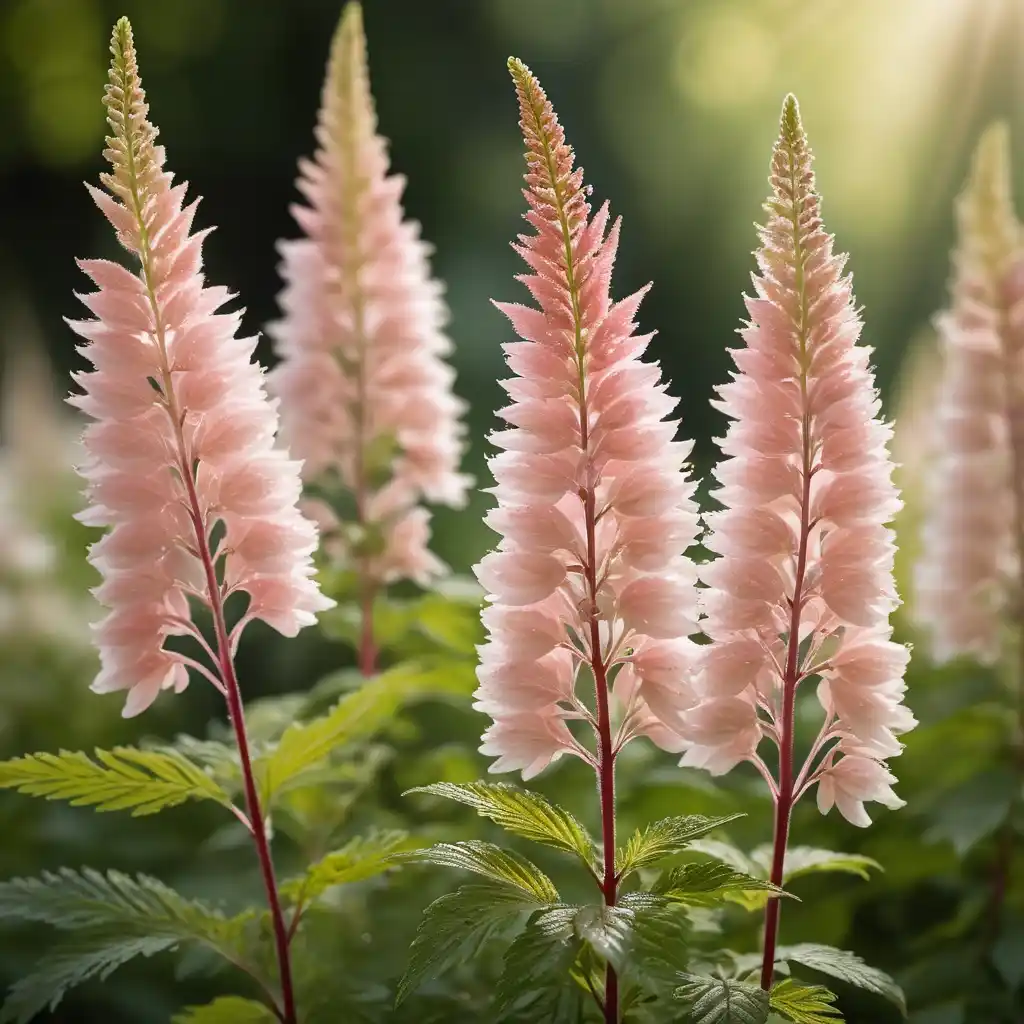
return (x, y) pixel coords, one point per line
(593, 509)
(803, 588)
(968, 579)
(183, 434)
(366, 397)
(180, 459)
(589, 585)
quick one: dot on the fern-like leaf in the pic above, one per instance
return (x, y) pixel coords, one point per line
(122, 779)
(87, 956)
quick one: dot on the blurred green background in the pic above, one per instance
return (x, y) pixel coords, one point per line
(672, 107)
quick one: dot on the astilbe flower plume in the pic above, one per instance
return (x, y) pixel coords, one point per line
(180, 459)
(589, 584)
(969, 577)
(366, 397)
(183, 436)
(803, 586)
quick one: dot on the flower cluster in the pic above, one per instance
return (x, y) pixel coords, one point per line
(804, 586)
(366, 397)
(971, 538)
(183, 432)
(593, 509)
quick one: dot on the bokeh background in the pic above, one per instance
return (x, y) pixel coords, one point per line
(672, 107)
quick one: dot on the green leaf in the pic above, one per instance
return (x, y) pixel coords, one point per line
(88, 899)
(607, 930)
(661, 941)
(806, 860)
(73, 962)
(452, 623)
(456, 926)
(357, 716)
(502, 866)
(122, 779)
(360, 858)
(1008, 954)
(974, 809)
(707, 882)
(804, 1004)
(227, 1010)
(535, 978)
(726, 853)
(520, 812)
(716, 1001)
(664, 839)
(846, 966)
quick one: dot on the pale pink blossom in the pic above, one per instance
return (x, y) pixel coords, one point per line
(366, 396)
(851, 782)
(803, 587)
(589, 584)
(182, 437)
(968, 576)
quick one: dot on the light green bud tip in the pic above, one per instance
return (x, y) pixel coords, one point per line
(791, 128)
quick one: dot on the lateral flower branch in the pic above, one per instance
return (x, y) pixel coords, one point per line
(366, 396)
(180, 459)
(803, 587)
(589, 586)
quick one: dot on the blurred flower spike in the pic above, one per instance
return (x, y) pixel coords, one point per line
(366, 396)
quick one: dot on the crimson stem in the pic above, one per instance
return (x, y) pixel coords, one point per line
(236, 713)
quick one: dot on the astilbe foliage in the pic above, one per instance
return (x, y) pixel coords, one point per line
(589, 585)
(969, 578)
(803, 587)
(366, 396)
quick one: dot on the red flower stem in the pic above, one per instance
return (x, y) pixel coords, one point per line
(791, 677)
(367, 644)
(287, 1015)
(606, 759)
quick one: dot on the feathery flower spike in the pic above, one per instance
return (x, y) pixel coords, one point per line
(589, 584)
(803, 588)
(973, 535)
(366, 397)
(181, 449)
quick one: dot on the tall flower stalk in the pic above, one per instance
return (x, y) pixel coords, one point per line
(366, 397)
(803, 588)
(589, 586)
(970, 580)
(181, 464)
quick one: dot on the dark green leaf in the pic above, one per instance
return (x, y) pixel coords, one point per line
(715, 1001)
(607, 930)
(456, 926)
(88, 955)
(520, 812)
(535, 978)
(804, 1004)
(846, 966)
(975, 809)
(1008, 954)
(486, 859)
(664, 839)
